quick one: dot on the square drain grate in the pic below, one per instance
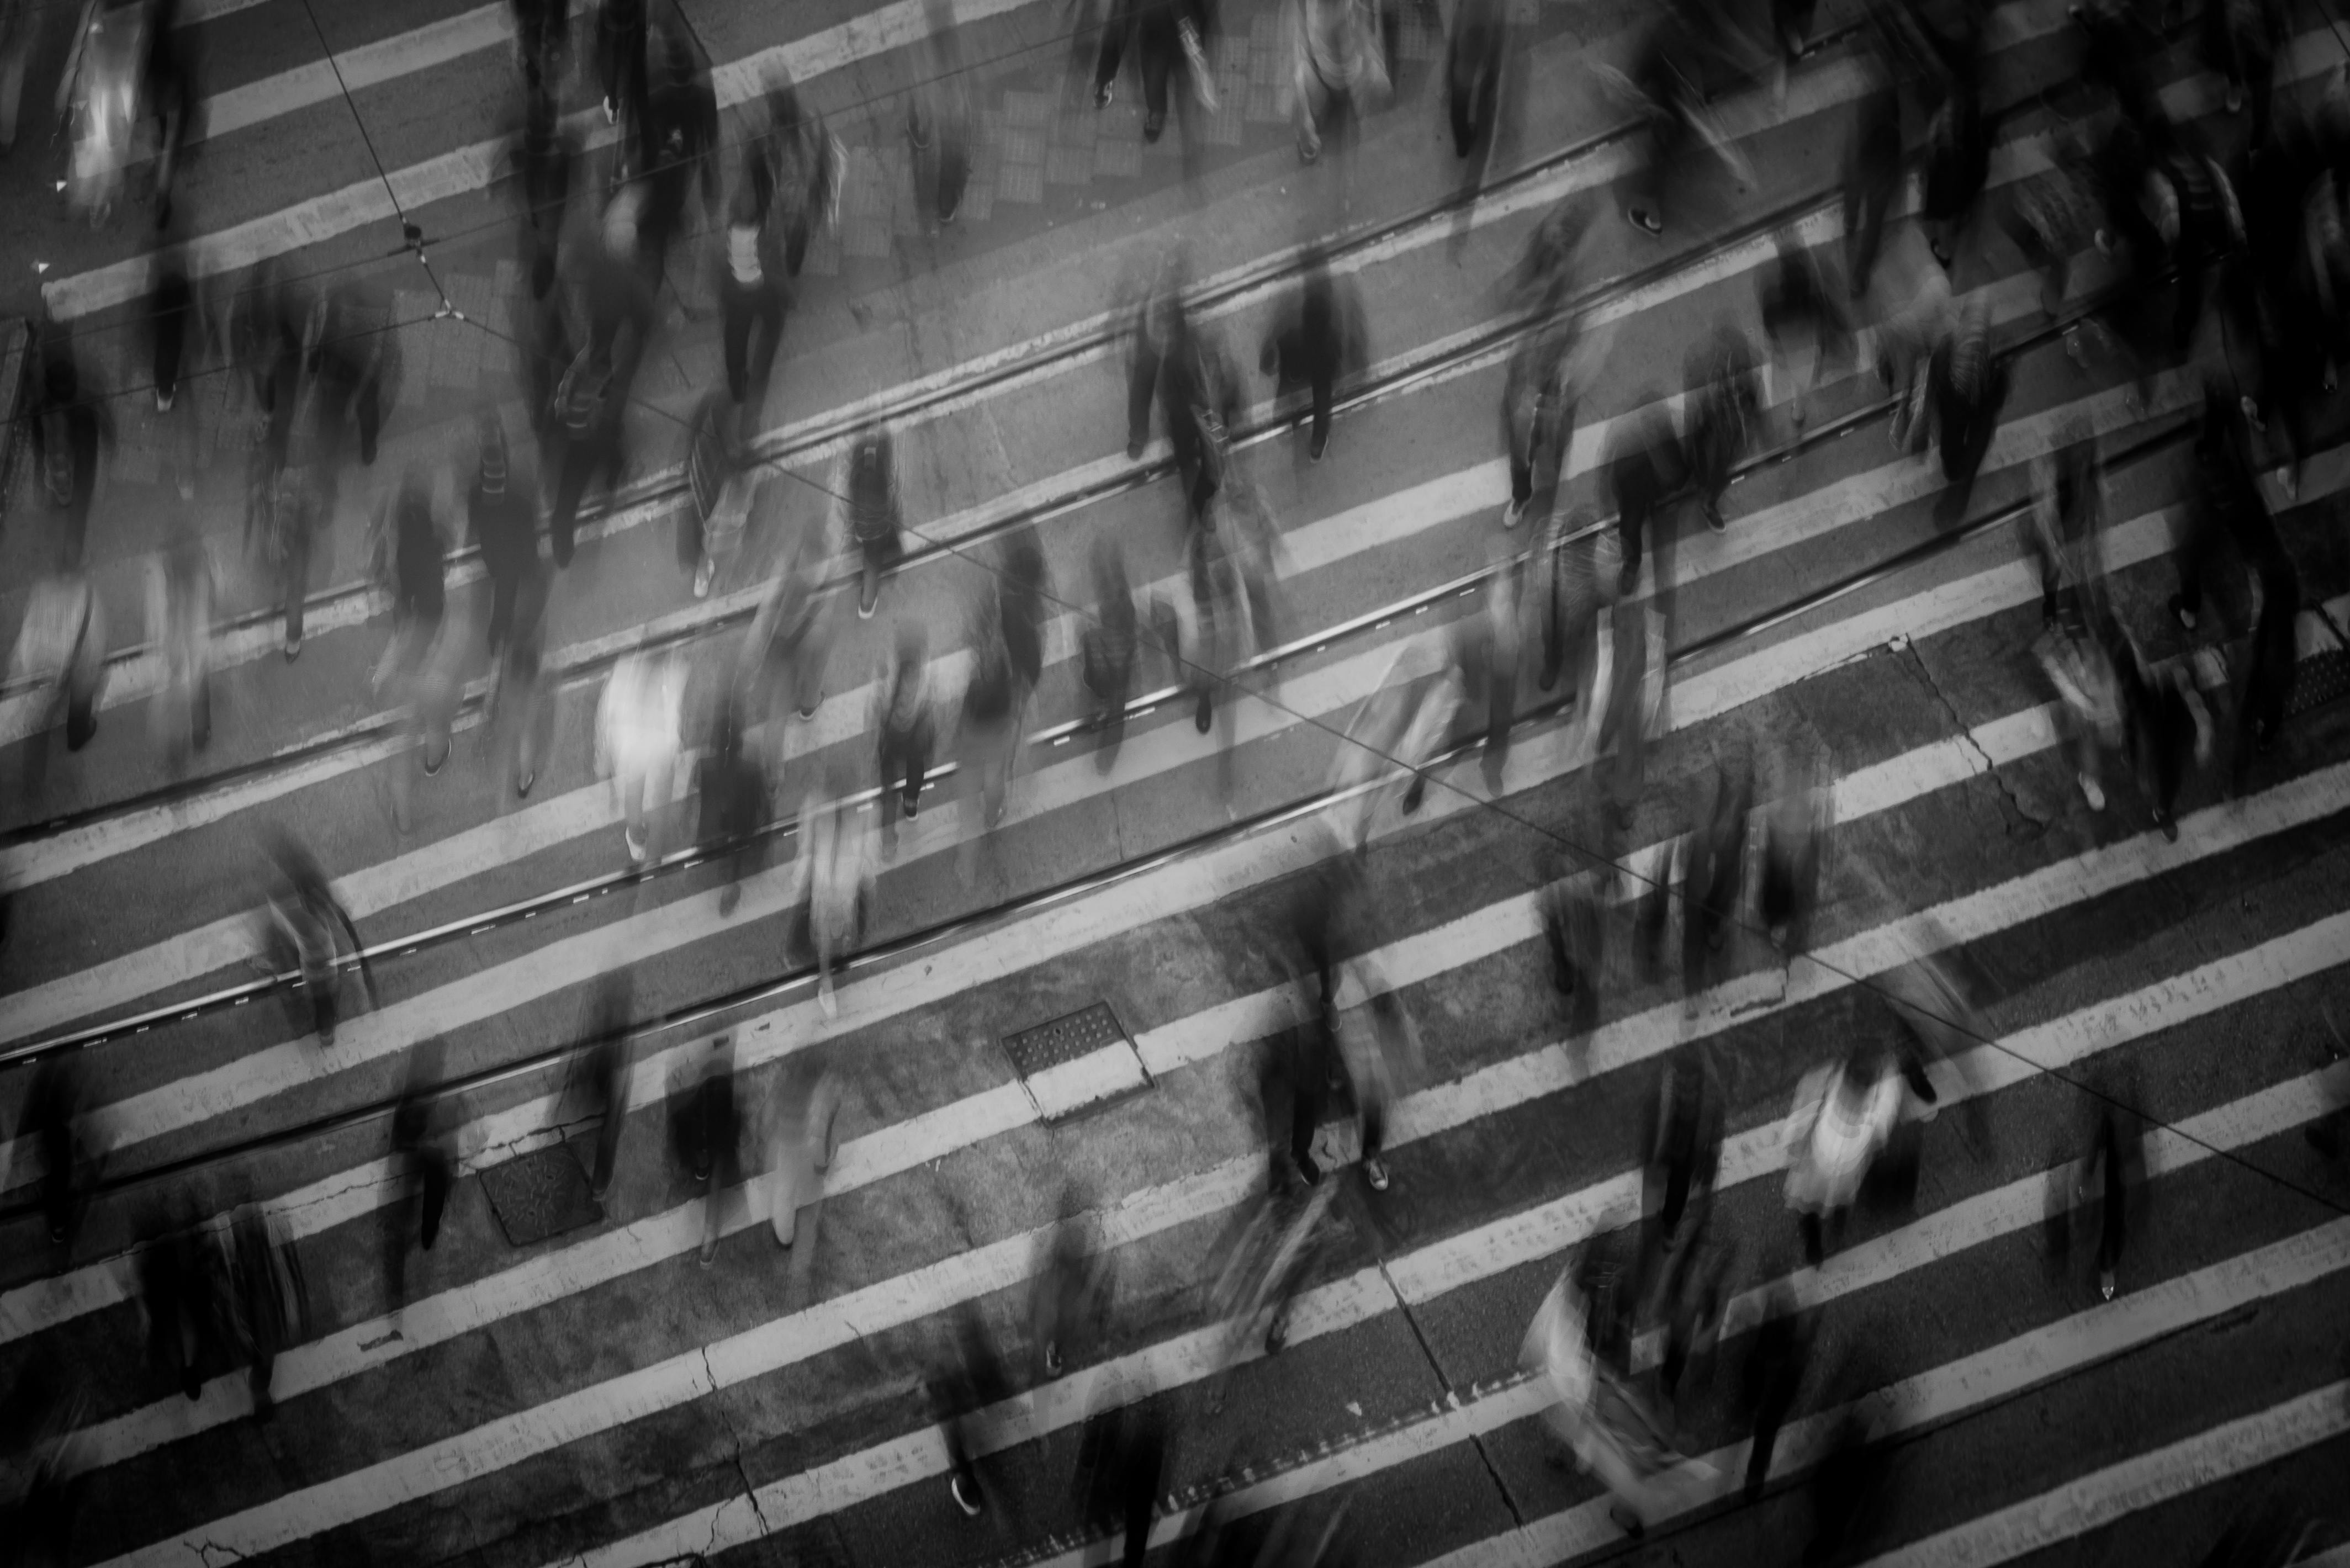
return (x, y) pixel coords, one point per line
(540, 1195)
(1076, 1062)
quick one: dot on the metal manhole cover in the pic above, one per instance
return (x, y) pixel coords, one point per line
(1076, 1062)
(540, 1195)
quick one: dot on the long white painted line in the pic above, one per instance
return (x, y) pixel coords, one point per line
(1456, 1262)
(253, 1079)
(894, 1302)
(367, 66)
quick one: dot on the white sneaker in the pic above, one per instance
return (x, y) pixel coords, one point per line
(2093, 792)
(639, 846)
(703, 574)
(826, 999)
(1514, 514)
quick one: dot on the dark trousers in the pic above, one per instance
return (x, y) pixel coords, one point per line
(582, 457)
(506, 587)
(746, 310)
(169, 306)
(620, 58)
(1473, 77)
(906, 761)
(1153, 25)
(1305, 362)
(1141, 387)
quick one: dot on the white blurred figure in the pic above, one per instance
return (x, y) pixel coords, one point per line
(60, 653)
(789, 646)
(1338, 66)
(1845, 1114)
(1398, 730)
(638, 738)
(800, 1133)
(833, 883)
(180, 626)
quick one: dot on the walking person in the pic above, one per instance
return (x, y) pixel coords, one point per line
(180, 629)
(967, 1379)
(502, 512)
(733, 795)
(796, 169)
(789, 646)
(522, 703)
(411, 565)
(270, 1296)
(1107, 650)
(621, 42)
(587, 411)
(719, 477)
(1472, 79)
(60, 654)
(306, 932)
(868, 510)
(612, 1071)
(938, 125)
(546, 160)
(1312, 344)
(1776, 1355)
(801, 1133)
(712, 1133)
(57, 1121)
(1719, 416)
(1338, 70)
(988, 731)
(833, 884)
(1713, 869)
(542, 39)
(637, 740)
(353, 359)
(1843, 1116)
(751, 298)
(420, 1158)
(1163, 33)
(70, 437)
(1022, 588)
(903, 722)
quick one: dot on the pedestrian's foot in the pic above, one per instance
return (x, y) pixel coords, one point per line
(2235, 99)
(1309, 1170)
(826, 999)
(912, 802)
(1514, 514)
(807, 712)
(1276, 1336)
(1134, 449)
(966, 1496)
(728, 899)
(1102, 95)
(1318, 445)
(163, 396)
(1625, 1519)
(2168, 823)
(2106, 1284)
(2093, 792)
(1052, 1358)
(293, 649)
(1714, 519)
(1307, 154)
(1203, 718)
(611, 114)
(702, 577)
(638, 845)
(709, 1254)
(1152, 126)
(522, 785)
(867, 600)
(1375, 1171)
(1414, 796)
(1645, 220)
(2186, 617)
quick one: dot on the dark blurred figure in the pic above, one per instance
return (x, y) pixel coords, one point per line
(1313, 343)
(1795, 828)
(21, 26)
(611, 1068)
(1176, 366)
(2110, 1177)
(967, 1379)
(60, 654)
(1776, 1355)
(305, 930)
(179, 1294)
(937, 123)
(1713, 872)
(412, 563)
(1107, 648)
(1803, 327)
(1069, 1304)
(545, 160)
(1338, 68)
(70, 434)
(1689, 53)
(270, 1296)
(620, 66)
(1849, 1487)
(707, 1129)
(1164, 33)
(1721, 412)
(752, 300)
(1537, 408)
(2268, 682)
(786, 651)
(56, 1120)
(719, 484)
(1021, 591)
(868, 513)
(588, 404)
(1121, 1460)
(354, 359)
(908, 730)
(1958, 161)
(680, 138)
(503, 513)
(542, 40)
(2240, 42)
(1574, 935)
(733, 791)
(522, 703)
(795, 167)
(421, 1157)
(1684, 1155)
(180, 629)
(1968, 385)
(1573, 573)
(171, 314)
(1472, 78)
(42, 1450)
(1643, 467)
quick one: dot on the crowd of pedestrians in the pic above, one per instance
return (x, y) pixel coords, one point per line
(2198, 253)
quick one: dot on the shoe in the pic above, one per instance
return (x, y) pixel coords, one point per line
(1648, 221)
(709, 1255)
(2106, 1283)
(966, 1496)
(638, 847)
(522, 785)
(867, 600)
(1514, 514)
(1415, 794)
(163, 399)
(1317, 446)
(1102, 95)
(611, 113)
(2093, 792)
(824, 998)
(434, 766)
(912, 802)
(1052, 1358)
(2168, 824)
(1375, 1171)
(1152, 125)
(805, 713)
(1276, 1336)
(1309, 1170)
(293, 649)
(728, 899)
(1204, 717)
(1134, 449)
(1714, 519)
(703, 574)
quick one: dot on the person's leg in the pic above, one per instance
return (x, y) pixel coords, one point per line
(737, 312)
(1141, 386)
(296, 571)
(768, 342)
(1325, 372)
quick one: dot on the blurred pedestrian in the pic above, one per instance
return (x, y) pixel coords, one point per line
(1538, 401)
(20, 37)
(307, 932)
(1472, 75)
(411, 567)
(966, 1377)
(612, 1071)
(2269, 677)
(802, 1133)
(620, 59)
(270, 1295)
(1777, 1353)
(1958, 161)
(1338, 70)
(637, 740)
(1719, 416)
(1313, 342)
(904, 723)
(353, 359)
(1394, 734)
(546, 160)
(1165, 34)
(782, 663)
(1121, 1461)
(502, 511)
(46, 1451)
(1574, 569)
(734, 795)
(796, 168)
(420, 1158)
(1684, 1156)
(833, 884)
(1802, 327)
(179, 1299)
(60, 1122)
(522, 703)
(293, 485)
(938, 124)
(1069, 1304)
(1795, 828)
(1969, 382)
(180, 629)
(1713, 873)
(60, 656)
(709, 1131)
(751, 298)
(678, 140)
(173, 324)
(71, 435)
(1845, 1114)
(719, 479)
(988, 731)
(542, 39)
(1107, 648)
(868, 513)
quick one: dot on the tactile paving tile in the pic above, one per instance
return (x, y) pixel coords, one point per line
(2320, 680)
(540, 1195)
(1063, 1040)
